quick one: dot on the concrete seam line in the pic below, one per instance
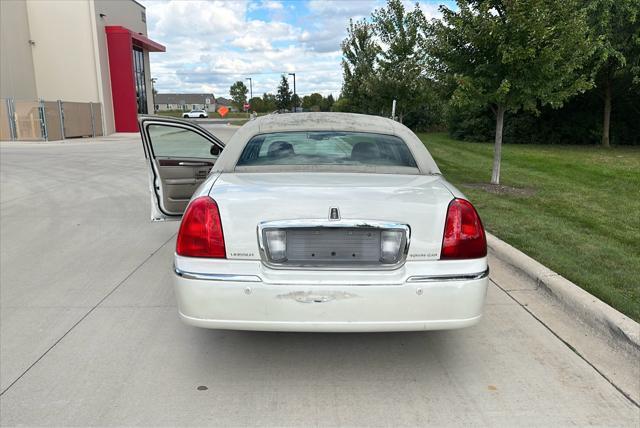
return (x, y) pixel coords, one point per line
(87, 314)
(568, 345)
(591, 310)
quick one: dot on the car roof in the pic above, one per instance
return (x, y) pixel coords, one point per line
(321, 121)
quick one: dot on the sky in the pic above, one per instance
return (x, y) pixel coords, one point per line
(213, 43)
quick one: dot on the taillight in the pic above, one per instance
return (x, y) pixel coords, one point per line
(200, 233)
(464, 236)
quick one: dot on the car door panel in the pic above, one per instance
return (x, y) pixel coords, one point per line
(180, 178)
(180, 156)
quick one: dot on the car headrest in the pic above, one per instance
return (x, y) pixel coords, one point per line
(279, 149)
(364, 151)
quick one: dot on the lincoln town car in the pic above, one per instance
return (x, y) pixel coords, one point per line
(329, 222)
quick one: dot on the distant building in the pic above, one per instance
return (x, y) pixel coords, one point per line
(227, 103)
(94, 52)
(185, 102)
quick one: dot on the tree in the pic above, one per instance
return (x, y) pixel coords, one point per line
(238, 92)
(401, 64)
(257, 104)
(385, 59)
(359, 53)
(341, 104)
(312, 102)
(511, 55)
(270, 102)
(295, 102)
(283, 96)
(327, 103)
(616, 27)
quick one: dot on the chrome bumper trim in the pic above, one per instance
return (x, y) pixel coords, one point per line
(437, 278)
(229, 277)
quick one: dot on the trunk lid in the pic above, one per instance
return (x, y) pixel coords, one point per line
(247, 199)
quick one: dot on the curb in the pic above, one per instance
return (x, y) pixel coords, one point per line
(588, 308)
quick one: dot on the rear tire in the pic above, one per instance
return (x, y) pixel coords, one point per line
(201, 116)
(185, 116)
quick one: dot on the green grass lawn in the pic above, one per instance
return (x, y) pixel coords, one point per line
(578, 213)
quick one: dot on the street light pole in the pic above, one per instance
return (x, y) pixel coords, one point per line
(250, 87)
(153, 93)
(295, 107)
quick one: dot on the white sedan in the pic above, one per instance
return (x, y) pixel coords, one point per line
(195, 114)
(315, 222)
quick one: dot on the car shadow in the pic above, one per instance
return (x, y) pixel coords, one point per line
(297, 356)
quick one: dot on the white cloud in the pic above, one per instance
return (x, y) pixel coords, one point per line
(211, 44)
(194, 18)
(350, 8)
(265, 4)
(274, 5)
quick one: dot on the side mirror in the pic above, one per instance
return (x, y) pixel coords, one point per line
(215, 150)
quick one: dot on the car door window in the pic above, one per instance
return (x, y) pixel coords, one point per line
(177, 142)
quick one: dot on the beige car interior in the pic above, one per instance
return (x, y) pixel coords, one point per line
(180, 178)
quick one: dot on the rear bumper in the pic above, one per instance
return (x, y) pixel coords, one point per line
(330, 327)
(246, 302)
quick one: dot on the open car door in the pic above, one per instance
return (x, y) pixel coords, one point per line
(180, 155)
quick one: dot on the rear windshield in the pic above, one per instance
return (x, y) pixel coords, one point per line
(328, 148)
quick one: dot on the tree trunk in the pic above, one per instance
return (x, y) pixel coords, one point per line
(606, 124)
(497, 148)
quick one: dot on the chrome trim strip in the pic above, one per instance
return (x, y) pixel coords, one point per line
(286, 224)
(230, 277)
(193, 164)
(460, 277)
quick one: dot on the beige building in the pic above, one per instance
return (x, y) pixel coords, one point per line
(78, 51)
(185, 102)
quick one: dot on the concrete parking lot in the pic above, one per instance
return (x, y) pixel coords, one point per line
(89, 330)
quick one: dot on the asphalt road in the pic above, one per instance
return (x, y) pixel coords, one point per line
(89, 333)
(217, 120)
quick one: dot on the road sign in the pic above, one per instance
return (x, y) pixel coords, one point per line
(247, 106)
(222, 111)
